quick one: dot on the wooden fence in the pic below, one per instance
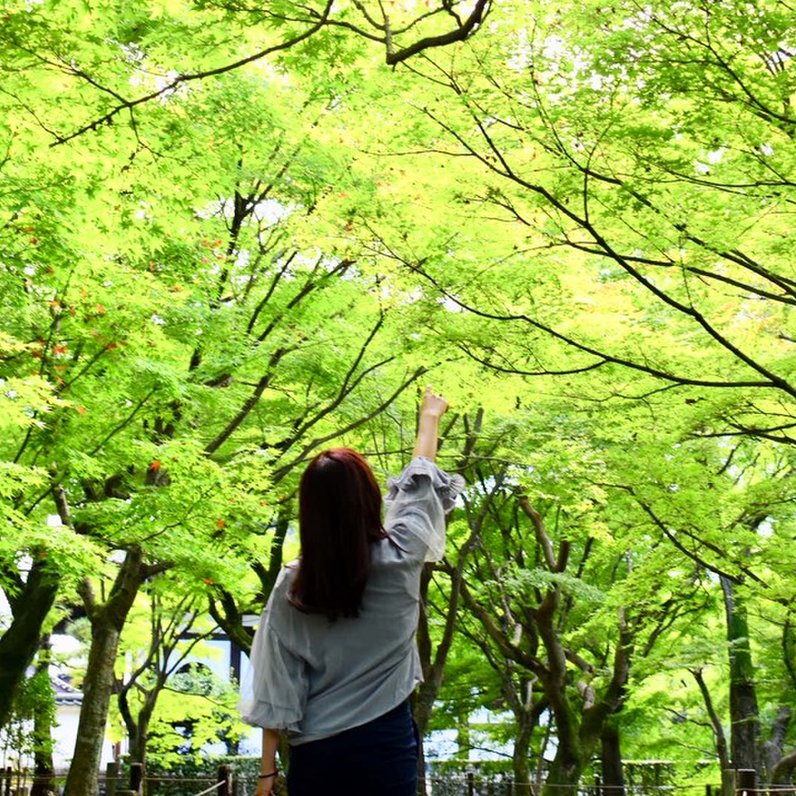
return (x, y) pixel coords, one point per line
(17, 783)
(739, 783)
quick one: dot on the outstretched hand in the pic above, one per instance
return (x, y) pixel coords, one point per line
(432, 408)
(433, 404)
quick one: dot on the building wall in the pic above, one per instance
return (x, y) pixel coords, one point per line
(64, 735)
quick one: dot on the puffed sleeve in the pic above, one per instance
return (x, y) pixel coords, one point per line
(417, 502)
(275, 691)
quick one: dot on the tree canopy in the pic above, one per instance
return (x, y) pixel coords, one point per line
(233, 235)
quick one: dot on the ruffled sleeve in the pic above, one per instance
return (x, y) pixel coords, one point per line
(417, 502)
(274, 693)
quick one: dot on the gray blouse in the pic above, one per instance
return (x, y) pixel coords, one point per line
(314, 677)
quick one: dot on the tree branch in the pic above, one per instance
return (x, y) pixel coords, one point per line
(462, 32)
(108, 117)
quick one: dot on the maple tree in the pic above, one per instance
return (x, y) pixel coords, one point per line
(232, 235)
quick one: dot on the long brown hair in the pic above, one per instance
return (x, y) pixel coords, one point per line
(339, 517)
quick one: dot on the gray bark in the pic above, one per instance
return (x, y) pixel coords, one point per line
(107, 622)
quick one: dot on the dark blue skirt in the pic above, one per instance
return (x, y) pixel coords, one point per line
(379, 758)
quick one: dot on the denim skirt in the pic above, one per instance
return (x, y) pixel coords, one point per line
(379, 758)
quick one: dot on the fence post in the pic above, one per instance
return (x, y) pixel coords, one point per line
(746, 783)
(136, 777)
(111, 778)
(729, 781)
(708, 790)
(223, 778)
(9, 771)
(470, 784)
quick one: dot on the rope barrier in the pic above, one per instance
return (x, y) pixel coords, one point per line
(210, 789)
(768, 790)
(169, 778)
(487, 781)
(24, 779)
(465, 783)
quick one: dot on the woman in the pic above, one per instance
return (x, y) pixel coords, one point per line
(334, 659)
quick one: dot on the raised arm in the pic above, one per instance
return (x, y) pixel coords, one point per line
(432, 408)
(420, 497)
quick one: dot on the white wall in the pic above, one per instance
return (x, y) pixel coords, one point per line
(64, 736)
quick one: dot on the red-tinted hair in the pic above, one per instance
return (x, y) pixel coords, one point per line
(339, 517)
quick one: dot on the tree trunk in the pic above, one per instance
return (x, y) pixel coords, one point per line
(572, 755)
(783, 770)
(82, 779)
(564, 774)
(137, 726)
(422, 709)
(107, 622)
(463, 740)
(578, 736)
(744, 719)
(611, 761)
(725, 765)
(422, 705)
(771, 750)
(138, 742)
(20, 641)
(426, 694)
(520, 762)
(43, 717)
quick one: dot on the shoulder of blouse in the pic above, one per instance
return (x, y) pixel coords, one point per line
(447, 486)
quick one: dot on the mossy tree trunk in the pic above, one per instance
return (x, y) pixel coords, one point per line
(744, 714)
(107, 621)
(611, 760)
